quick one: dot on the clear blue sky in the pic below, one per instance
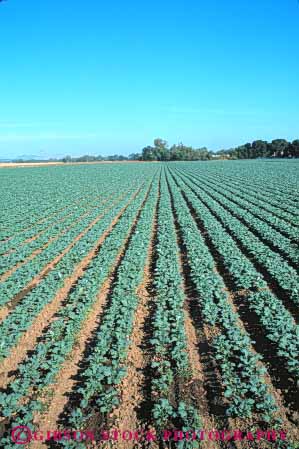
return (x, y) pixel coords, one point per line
(108, 77)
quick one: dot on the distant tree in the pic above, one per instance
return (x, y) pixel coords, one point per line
(67, 159)
(295, 148)
(260, 148)
(279, 147)
(134, 157)
(148, 153)
(86, 158)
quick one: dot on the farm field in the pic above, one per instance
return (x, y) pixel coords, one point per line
(150, 296)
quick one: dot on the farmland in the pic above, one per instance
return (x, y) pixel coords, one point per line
(150, 296)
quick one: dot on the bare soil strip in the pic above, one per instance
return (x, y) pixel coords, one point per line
(56, 396)
(37, 279)
(283, 412)
(59, 397)
(228, 281)
(132, 390)
(205, 389)
(30, 338)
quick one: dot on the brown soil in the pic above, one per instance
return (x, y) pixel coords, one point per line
(55, 397)
(131, 388)
(37, 279)
(29, 338)
(198, 382)
(59, 393)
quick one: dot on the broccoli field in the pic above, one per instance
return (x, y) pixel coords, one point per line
(150, 296)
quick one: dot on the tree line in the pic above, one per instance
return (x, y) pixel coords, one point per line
(278, 148)
(160, 151)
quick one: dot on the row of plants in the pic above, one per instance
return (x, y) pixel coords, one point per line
(254, 206)
(98, 389)
(285, 221)
(34, 191)
(262, 229)
(31, 195)
(22, 316)
(271, 188)
(170, 364)
(19, 278)
(34, 232)
(285, 276)
(282, 199)
(243, 378)
(115, 184)
(20, 401)
(277, 323)
(52, 233)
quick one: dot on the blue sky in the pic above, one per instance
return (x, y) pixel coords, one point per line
(108, 77)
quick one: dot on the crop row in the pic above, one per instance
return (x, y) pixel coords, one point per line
(105, 366)
(272, 189)
(24, 313)
(276, 320)
(242, 377)
(11, 286)
(52, 234)
(21, 238)
(260, 191)
(33, 189)
(170, 359)
(267, 232)
(281, 272)
(286, 219)
(15, 216)
(257, 207)
(39, 370)
(68, 209)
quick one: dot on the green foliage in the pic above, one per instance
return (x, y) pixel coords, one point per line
(161, 152)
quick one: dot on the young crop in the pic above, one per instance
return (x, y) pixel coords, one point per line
(279, 329)
(286, 276)
(242, 377)
(106, 365)
(236, 192)
(275, 238)
(24, 313)
(39, 370)
(170, 360)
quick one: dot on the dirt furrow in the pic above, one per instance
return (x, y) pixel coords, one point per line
(204, 390)
(130, 413)
(55, 397)
(231, 288)
(61, 394)
(4, 311)
(273, 284)
(30, 337)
